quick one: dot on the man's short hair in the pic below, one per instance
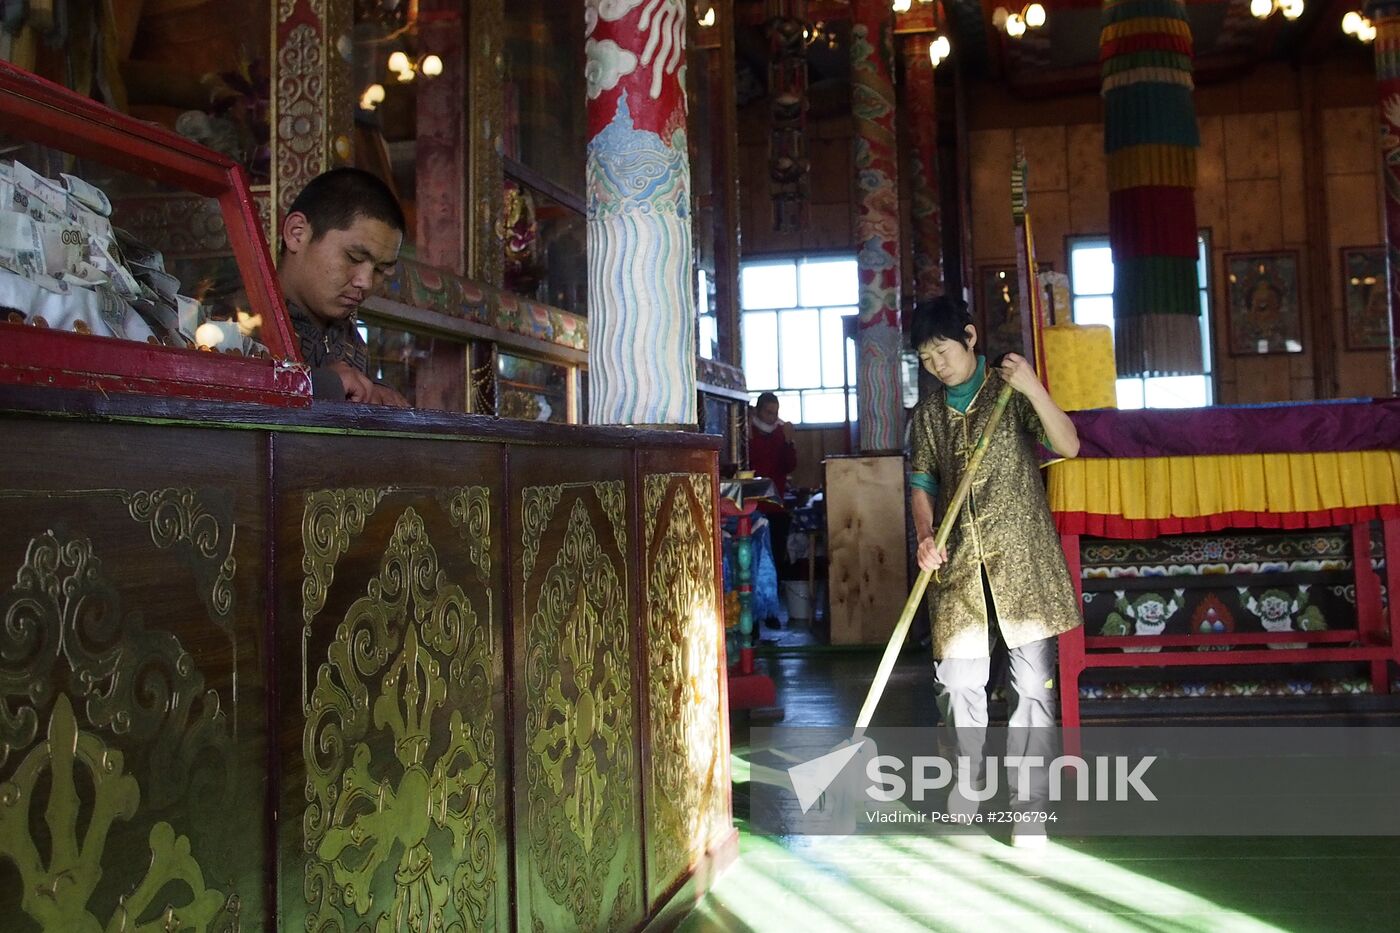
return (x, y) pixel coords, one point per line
(941, 318)
(764, 398)
(332, 201)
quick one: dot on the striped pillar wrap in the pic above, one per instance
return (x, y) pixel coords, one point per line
(1386, 17)
(875, 152)
(1150, 138)
(641, 309)
(925, 212)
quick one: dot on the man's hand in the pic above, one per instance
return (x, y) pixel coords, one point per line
(386, 395)
(1019, 374)
(358, 387)
(930, 557)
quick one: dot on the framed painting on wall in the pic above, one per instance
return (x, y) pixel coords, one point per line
(1262, 303)
(1364, 298)
(999, 308)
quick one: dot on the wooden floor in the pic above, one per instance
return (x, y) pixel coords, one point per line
(908, 882)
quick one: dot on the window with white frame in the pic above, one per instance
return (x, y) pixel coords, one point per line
(794, 341)
(1091, 287)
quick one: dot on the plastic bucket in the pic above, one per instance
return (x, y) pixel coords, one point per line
(797, 596)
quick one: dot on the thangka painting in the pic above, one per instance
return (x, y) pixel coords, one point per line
(1364, 297)
(1263, 303)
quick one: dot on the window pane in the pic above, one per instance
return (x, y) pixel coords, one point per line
(822, 407)
(1093, 311)
(799, 347)
(1129, 393)
(1177, 392)
(1202, 263)
(833, 336)
(828, 282)
(761, 350)
(768, 285)
(855, 408)
(790, 407)
(1091, 269)
(709, 336)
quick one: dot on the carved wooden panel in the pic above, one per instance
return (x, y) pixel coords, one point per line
(578, 841)
(685, 756)
(391, 713)
(132, 718)
(312, 105)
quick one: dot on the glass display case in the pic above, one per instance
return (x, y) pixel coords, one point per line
(87, 303)
(532, 389)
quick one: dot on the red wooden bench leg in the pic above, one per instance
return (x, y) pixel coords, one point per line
(1071, 652)
(1370, 623)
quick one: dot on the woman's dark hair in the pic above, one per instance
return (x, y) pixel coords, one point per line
(941, 318)
(764, 399)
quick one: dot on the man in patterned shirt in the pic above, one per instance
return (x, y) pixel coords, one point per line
(341, 237)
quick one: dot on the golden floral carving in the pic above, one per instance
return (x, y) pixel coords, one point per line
(176, 517)
(469, 509)
(130, 681)
(58, 878)
(578, 718)
(683, 667)
(411, 661)
(64, 637)
(329, 520)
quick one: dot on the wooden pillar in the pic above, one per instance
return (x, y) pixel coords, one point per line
(925, 211)
(641, 317)
(312, 107)
(485, 171)
(1318, 253)
(1386, 17)
(440, 154)
(877, 225)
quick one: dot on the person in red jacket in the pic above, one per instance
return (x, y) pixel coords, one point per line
(771, 453)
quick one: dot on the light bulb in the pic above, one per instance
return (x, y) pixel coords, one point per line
(902, 6)
(407, 75)
(1351, 23)
(708, 19)
(431, 65)
(999, 17)
(1368, 32)
(1261, 9)
(939, 49)
(1292, 9)
(372, 97)
(209, 335)
(399, 62)
(1035, 16)
(1015, 26)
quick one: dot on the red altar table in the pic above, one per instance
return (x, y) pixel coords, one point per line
(1147, 474)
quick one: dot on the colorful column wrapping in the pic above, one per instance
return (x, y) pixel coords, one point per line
(641, 310)
(1151, 138)
(881, 407)
(1386, 18)
(927, 217)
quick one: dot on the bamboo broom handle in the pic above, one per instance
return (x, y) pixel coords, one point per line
(945, 529)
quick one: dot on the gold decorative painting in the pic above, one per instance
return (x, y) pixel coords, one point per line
(399, 743)
(579, 764)
(688, 789)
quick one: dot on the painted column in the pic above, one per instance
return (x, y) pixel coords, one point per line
(641, 310)
(1386, 18)
(927, 216)
(877, 225)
